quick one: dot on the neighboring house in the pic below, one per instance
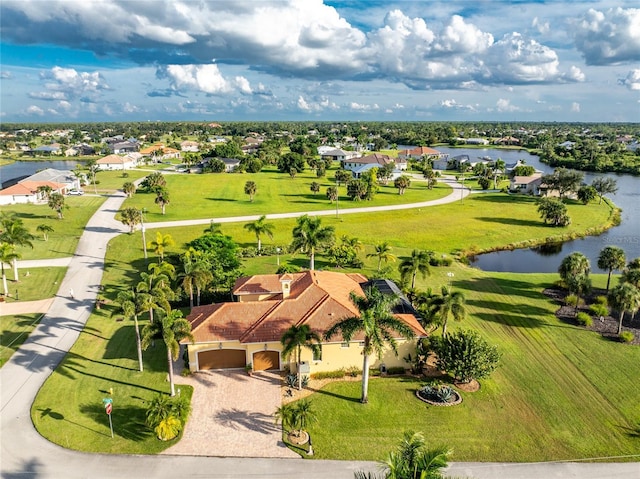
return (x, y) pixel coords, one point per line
(160, 152)
(53, 149)
(250, 148)
(188, 145)
(80, 150)
(230, 164)
(507, 140)
(123, 147)
(217, 139)
(26, 190)
(248, 330)
(422, 152)
(526, 184)
(118, 162)
(567, 145)
(357, 165)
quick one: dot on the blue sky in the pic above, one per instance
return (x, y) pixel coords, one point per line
(226, 60)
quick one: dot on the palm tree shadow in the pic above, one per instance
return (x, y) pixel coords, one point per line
(254, 421)
(30, 468)
(339, 396)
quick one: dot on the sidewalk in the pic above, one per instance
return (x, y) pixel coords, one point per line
(25, 307)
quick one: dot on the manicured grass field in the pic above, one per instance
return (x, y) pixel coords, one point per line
(68, 409)
(63, 241)
(15, 330)
(35, 283)
(561, 392)
(222, 195)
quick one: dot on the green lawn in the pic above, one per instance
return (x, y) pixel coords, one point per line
(561, 392)
(15, 330)
(222, 195)
(35, 283)
(68, 409)
(63, 241)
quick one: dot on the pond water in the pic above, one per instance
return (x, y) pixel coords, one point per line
(547, 260)
(10, 174)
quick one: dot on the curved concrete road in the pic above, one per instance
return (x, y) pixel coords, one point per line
(25, 454)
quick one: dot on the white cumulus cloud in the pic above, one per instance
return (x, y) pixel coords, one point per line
(203, 78)
(632, 81)
(35, 110)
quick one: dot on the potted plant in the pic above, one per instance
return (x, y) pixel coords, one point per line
(249, 369)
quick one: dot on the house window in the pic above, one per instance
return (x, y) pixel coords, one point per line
(361, 344)
(344, 344)
(317, 354)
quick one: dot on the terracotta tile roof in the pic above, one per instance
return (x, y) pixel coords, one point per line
(317, 298)
(373, 158)
(28, 187)
(420, 151)
(110, 159)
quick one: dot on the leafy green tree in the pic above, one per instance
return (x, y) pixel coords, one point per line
(484, 182)
(56, 203)
(222, 254)
(161, 243)
(587, 194)
(14, 233)
(564, 181)
(172, 328)
(45, 229)
(250, 188)
(309, 235)
(230, 149)
(448, 303)
(466, 355)
(378, 324)
(384, 173)
(297, 337)
(215, 165)
(523, 170)
(163, 198)
(383, 253)
(402, 183)
(342, 176)
(315, 187)
(153, 181)
(610, 258)
(129, 188)
(418, 262)
(260, 227)
(412, 460)
(553, 211)
(7, 256)
(604, 185)
(291, 160)
(625, 297)
(131, 217)
(356, 189)
(332, 193)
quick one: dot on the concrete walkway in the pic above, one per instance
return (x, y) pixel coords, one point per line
(25, 454)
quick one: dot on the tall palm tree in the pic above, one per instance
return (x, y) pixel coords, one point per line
(130, 306)
(129, 188)
(294, 339)
(172, 328)
(574, 271)
(130, 217)
(45, 230)
(14, 233)
(378, 324)
(92, 166)
(624, 297)
(156, 292)
(610, 258)
(250, 188)
(412, 460)
(418, 262)
(448, 303)
(56, 203)
(260, 227)
(196, 273)
(309, 235)
(497, 170)
(161, 243)
(383, 253)
(162, 198)
(7, 256)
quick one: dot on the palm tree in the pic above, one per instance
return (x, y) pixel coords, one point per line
(378, 324)
(156, 291)
(250, 189)
(131, 305)
(309, 235)
(352, 242)
(498, 169)
(56, 203)
(93, 167)
(448, 303)
(131, 217)
(160, 244)
(418, 262)
(302, 414)
(213, 228)
(260, 227)
(383, 253)
(196, 273)
(162, 198)
(44, 191)
(574, 271)
(624, 297)
(610, 258)
(294, 339)
(412, 460)
(7, 256)
(129, 188)
(172, 328)
(14, 233)
(45, 230)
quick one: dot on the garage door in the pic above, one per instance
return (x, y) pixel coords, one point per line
(266, 360)
(222, 359)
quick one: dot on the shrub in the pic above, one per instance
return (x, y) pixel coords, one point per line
(292, 380)
(167, 416)
(573, 300)
(602, 300)
(353, 371)
(599, 310)
(337, 374)
(288, 268)
(396, 370)
(626, 336)
(437, 393)
(466, 355)
(584, 319)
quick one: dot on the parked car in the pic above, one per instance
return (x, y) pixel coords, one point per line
(76, 192)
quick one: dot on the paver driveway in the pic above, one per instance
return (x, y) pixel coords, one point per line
(233, 416)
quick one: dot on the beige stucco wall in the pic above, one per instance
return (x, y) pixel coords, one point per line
(334, 356)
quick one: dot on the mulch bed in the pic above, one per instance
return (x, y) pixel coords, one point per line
(608, 327)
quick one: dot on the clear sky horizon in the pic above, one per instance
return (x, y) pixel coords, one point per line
(261, 60)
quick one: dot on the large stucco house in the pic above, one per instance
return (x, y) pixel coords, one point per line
(26, 190)
(248, 331)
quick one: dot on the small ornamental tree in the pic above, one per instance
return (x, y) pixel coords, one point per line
(402, 183)
(466, 355)
(315, 187)
(250, 189)
(553, 211)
